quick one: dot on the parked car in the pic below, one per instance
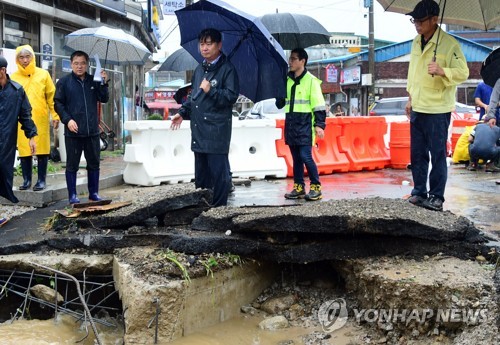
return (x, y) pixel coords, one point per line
(395, 106)
(389, 106)
(244, 114)
(266, 109)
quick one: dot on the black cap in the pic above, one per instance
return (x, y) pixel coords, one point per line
(3, 61)
(424, 9)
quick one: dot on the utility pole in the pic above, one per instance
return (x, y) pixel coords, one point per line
(371, 53)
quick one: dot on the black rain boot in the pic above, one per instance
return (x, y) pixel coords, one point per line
(71, 185)
(42, 172)
(27, 169)
(93, 185)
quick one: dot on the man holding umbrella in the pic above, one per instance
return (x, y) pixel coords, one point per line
(209, 107)
(437, 66)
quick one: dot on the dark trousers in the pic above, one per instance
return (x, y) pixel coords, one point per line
(429, 134)
(91, 146)
(302, 155)
(211, 171)
(490, 153)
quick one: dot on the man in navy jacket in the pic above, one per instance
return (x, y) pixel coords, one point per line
(209, 107)
(76, 100)
(14, 108)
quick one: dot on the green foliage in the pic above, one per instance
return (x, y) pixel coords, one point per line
(171, 255)
(115, 153)
(155, 116)
(51, 169)
(209, 264)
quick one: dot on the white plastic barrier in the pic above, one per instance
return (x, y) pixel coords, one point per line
(158, 154)
(253, 149)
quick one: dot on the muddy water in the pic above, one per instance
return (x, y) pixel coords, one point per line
(47, 332)
(242, 330)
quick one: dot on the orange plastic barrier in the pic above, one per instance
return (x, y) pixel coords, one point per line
(362, 141)
(458, 127)
(282, 149)
(326, 153)
(399, 144)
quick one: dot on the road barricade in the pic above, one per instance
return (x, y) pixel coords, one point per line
(253, 151)
(282, 149)
(326, 153)
(399, 144)
(362, 141)
(158, 154)
(458, 127)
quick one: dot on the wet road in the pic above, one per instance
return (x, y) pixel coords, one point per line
(471, 194)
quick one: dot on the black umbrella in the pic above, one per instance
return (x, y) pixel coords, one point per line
(181, 94)
(293, 30)
(490, 70)
(179, 61)
(259, 60)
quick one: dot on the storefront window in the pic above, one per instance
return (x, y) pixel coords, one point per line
(15, 31)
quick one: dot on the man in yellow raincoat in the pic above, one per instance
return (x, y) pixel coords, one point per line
(40, 90)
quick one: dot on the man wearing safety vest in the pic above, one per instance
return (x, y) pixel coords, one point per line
(305, 120)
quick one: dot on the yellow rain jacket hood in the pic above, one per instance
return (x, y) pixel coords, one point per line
(40, 90)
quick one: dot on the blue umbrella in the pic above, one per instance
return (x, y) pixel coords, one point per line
(490, 70)
(258, 58)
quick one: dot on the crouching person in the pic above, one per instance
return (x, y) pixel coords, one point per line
(76, 100)
(484, 141)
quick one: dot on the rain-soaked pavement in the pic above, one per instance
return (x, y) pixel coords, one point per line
(470, 194)
(474, 195)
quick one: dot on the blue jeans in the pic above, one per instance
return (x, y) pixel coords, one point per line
(302, 155)
(429, 134)
(211, 171)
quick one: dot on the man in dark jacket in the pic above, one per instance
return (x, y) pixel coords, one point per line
(76, 100)
(209, 107)
(14, 108)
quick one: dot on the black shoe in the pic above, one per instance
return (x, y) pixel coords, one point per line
(416, 200)
(297, 192)
(433, 203)
(490, 167)
(472, 167)
(314, 193)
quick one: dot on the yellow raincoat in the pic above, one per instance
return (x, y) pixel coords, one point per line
(40, 90)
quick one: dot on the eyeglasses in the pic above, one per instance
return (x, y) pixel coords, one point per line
(293, 58)
(420, 21)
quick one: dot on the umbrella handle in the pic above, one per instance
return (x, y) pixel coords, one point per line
(197, 94)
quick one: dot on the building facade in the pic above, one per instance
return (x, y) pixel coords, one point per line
(43, 24)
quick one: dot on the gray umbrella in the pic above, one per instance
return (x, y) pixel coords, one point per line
(179, 61)
(293, 30)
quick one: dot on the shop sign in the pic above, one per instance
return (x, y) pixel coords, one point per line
(170, 6)
(350, 75)
(159, 95)
(331, 73)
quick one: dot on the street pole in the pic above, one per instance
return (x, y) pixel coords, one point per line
(371, 53)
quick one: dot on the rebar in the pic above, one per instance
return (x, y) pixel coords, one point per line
(155, 318)
(4, 287)
(82, 299)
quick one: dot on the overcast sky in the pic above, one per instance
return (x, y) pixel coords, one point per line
(334, 15)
